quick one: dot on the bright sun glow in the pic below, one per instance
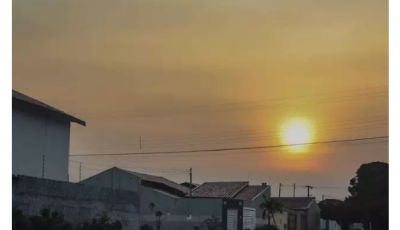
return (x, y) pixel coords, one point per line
(297, 132)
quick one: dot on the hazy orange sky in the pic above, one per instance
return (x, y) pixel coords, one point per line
(154, 68)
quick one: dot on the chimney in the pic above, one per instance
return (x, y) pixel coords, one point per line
(264, 184)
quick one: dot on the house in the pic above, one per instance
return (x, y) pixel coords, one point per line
(251, 195)
(329, 225)
(40, 138)
(187, 184)
(179, 210)
(304, 212)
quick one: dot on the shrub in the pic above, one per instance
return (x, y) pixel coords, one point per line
(46, 221)
(101, 222)
(146, 227)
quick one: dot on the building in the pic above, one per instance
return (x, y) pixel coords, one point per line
(251, 195)
(304, 213)
(179, 210)
(187, 184)
(329, 225)
(40, 138)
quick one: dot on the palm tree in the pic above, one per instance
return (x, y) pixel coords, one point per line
(270, 207)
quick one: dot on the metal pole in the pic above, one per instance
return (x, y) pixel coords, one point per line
(308, 190)
(140, 142)
(43, 165)
(80, 171)
(280, 186)
(190, 186)
(294, 190)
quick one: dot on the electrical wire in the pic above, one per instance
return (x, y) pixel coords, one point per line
(232, 149)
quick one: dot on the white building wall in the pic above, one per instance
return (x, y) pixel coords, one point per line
(34, 136)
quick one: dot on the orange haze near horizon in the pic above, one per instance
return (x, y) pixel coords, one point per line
(207, 74)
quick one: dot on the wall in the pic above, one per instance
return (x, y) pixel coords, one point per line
(34, 136)
(77, 202)
(313, 218)
(114, 178)
(180, 213)
(281, 220)
(175, 209)
(255, 203)
(329, 225)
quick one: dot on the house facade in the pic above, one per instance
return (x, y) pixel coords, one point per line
(329, 225)
(179, 211)
(40, 138)
(251, 195)
(303, 212)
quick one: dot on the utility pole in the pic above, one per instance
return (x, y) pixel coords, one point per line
(323, 197)
(294, 190)
(43, 165)
(190, 181)
(140, 142)
(80, 171)
(308, 190)
(280, 186)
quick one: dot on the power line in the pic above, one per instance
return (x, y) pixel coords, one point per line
(313, 99)
(205, 139)
(239, 148)
(127, 167)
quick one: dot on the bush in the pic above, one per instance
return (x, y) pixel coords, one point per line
(46, 221)
(146, 227)
(101, 222)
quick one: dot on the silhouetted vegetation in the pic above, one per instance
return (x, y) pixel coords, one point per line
(159, 216)
(368, 202)
(101, 222)
(146, 227)
(213, 223)
(270, 207)
(48, 220)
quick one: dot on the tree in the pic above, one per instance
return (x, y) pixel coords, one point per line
(343, 212)
(270, 207)
(158, 214)
(369, 191)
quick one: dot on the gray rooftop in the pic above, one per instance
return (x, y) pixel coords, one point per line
(19, 97)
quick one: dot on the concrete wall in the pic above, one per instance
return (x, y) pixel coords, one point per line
(34, 136)
(179, 213)
(255, 203)
(313, 216)
(79, 203)
(114, 178)
(281, 220)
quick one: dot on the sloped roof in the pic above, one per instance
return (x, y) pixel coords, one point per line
(250, 192)
(233, 189)
(295, 203)
(187, 184)
(161, 180)
(31, 101)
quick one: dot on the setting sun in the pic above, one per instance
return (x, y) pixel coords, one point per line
(297, 132)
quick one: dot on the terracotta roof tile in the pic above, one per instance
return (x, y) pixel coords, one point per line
(249, 192)
(219, 189)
